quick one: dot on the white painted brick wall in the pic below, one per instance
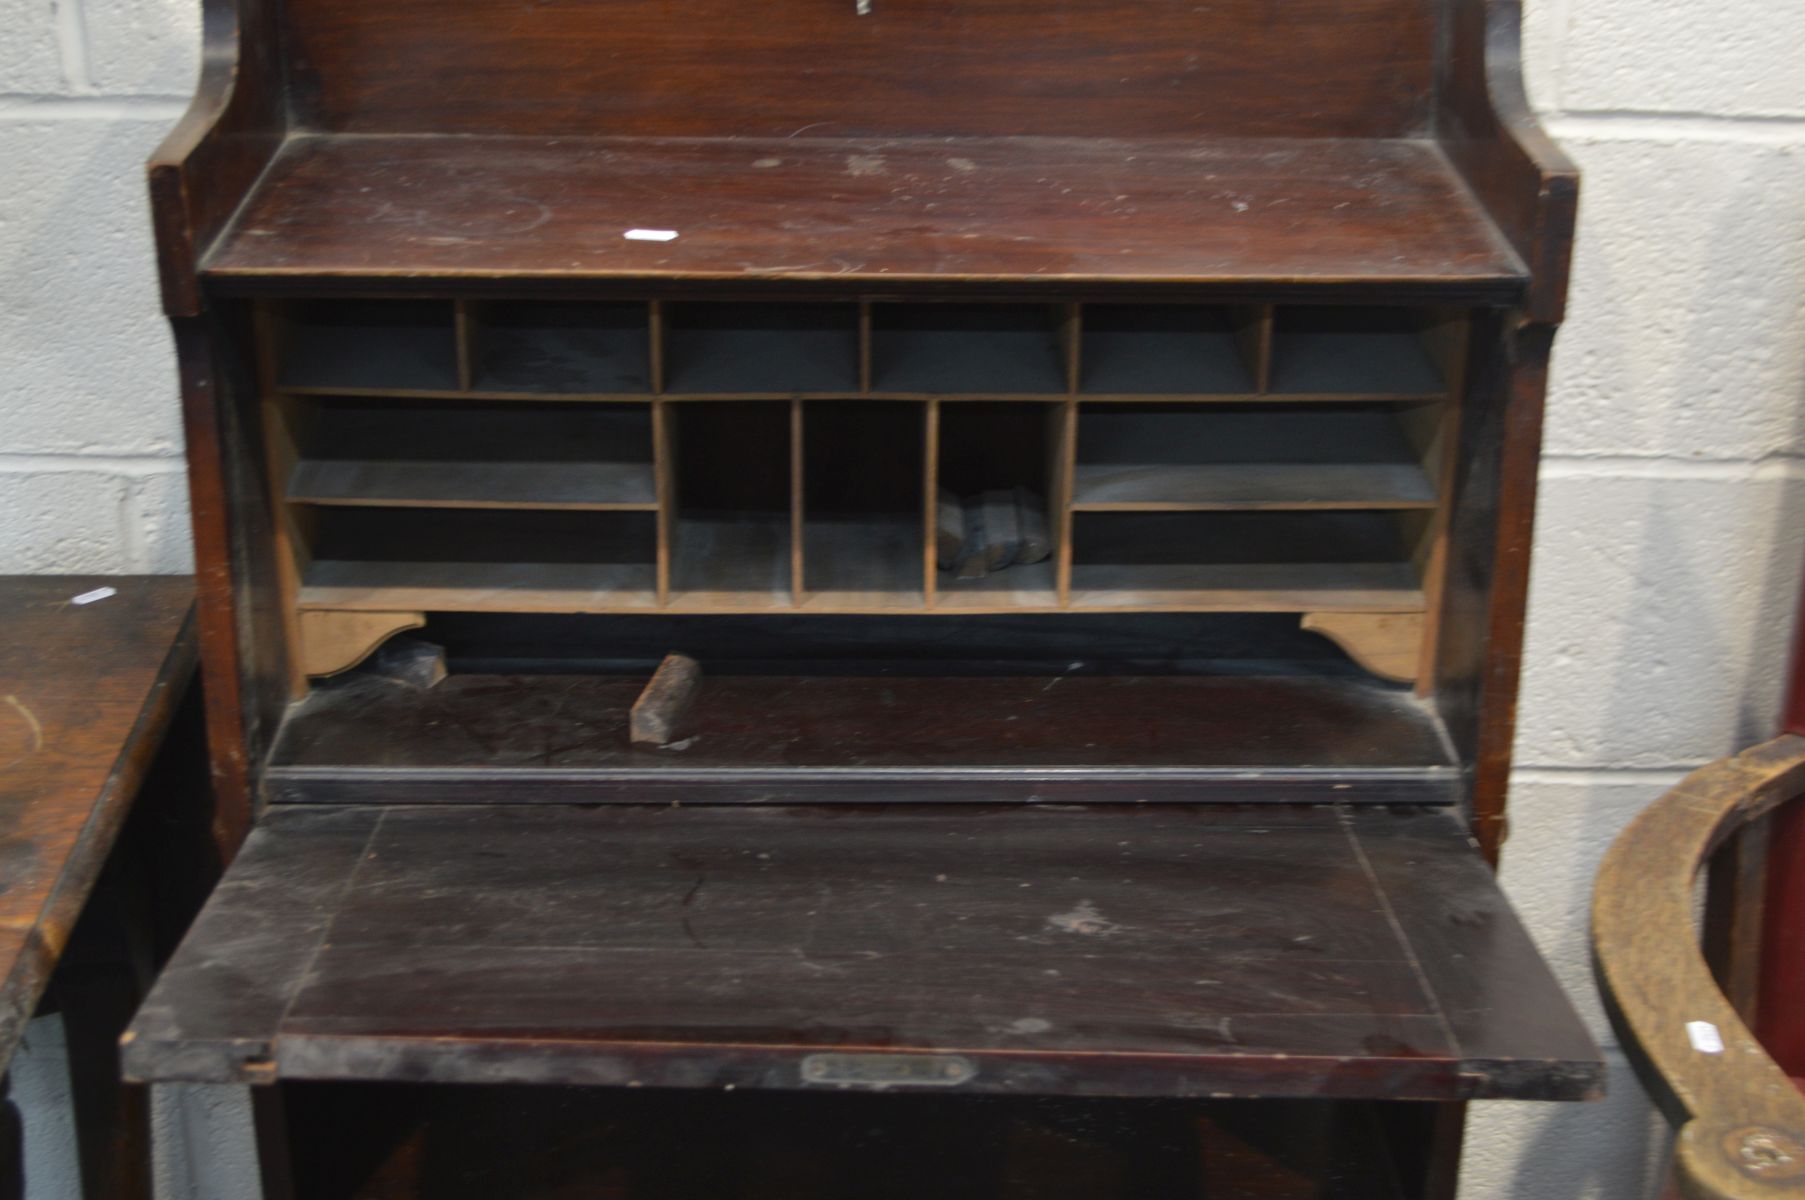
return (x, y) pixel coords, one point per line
(1674, 498)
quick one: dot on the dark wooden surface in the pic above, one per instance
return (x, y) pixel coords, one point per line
(1741, 1121)
(1276, 211)
(86, 693)
(399, 1142)
(1153, 950)
(869, 737)
(1107, 68)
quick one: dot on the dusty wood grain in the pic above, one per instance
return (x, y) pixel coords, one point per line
(1329, 212)
(86, 694)
(1208, 950)
(958, 736)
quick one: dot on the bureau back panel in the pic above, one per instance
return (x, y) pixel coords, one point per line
(714, 68)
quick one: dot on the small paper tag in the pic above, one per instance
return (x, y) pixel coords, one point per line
(1705, 1037)
(650, 235)
(96, 594)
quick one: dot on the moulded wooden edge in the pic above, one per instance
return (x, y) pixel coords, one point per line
(1490, 133)
(201, 155)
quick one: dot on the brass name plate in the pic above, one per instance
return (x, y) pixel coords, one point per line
(888, 1070)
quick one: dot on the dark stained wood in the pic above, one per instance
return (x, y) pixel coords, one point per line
(1741, 1121)
(1488, 130)
(1325, 152)
(213, 156)
(244, 644)
(248, 950)
(1506, 576)
(864, 738)
(794, 68)
(412, 210)
(1425, 868)
(1153, 950)
(86, 693)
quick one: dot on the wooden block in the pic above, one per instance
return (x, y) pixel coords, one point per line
(1037, 536)
(661, 707)
(949, 530)
(1002, 529)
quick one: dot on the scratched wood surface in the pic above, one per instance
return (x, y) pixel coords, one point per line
(868, 735)
(1150, 68)
(1147, 950)
(86, 692)
(409, 211)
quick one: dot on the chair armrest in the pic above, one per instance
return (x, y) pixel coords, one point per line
(1741, 1122)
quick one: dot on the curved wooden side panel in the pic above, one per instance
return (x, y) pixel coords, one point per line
(337, 641)
(207, 164)
(1741, 1122)
(1485, 124)
(1387, 644)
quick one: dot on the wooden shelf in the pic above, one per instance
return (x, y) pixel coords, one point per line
(384, 453)
(402, 586)
(350, 347)
(486, 560)
(598, 486)
(1023, 586)
(737, 563)
(1104, 487)
(1134, 350)
(997, 210)
(1247, 561)
(1247, 457)
(533, 347)
(769, 349)
(1247, 587)
(856, 563)
(1360, 352)
(969, 349)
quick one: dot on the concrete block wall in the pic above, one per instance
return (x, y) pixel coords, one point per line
(1673, 510)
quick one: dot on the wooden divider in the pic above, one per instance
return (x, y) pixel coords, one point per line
(1248, 376)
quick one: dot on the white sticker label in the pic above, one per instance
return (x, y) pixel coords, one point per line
(96, 594)
(650, 235)
(1705, 1037)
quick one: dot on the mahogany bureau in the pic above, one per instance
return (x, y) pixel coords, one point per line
(1075, 464)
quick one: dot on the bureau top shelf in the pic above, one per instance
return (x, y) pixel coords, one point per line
(421, 211)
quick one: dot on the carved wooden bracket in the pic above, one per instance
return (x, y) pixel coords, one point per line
(1390, 645)
(337, 641)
